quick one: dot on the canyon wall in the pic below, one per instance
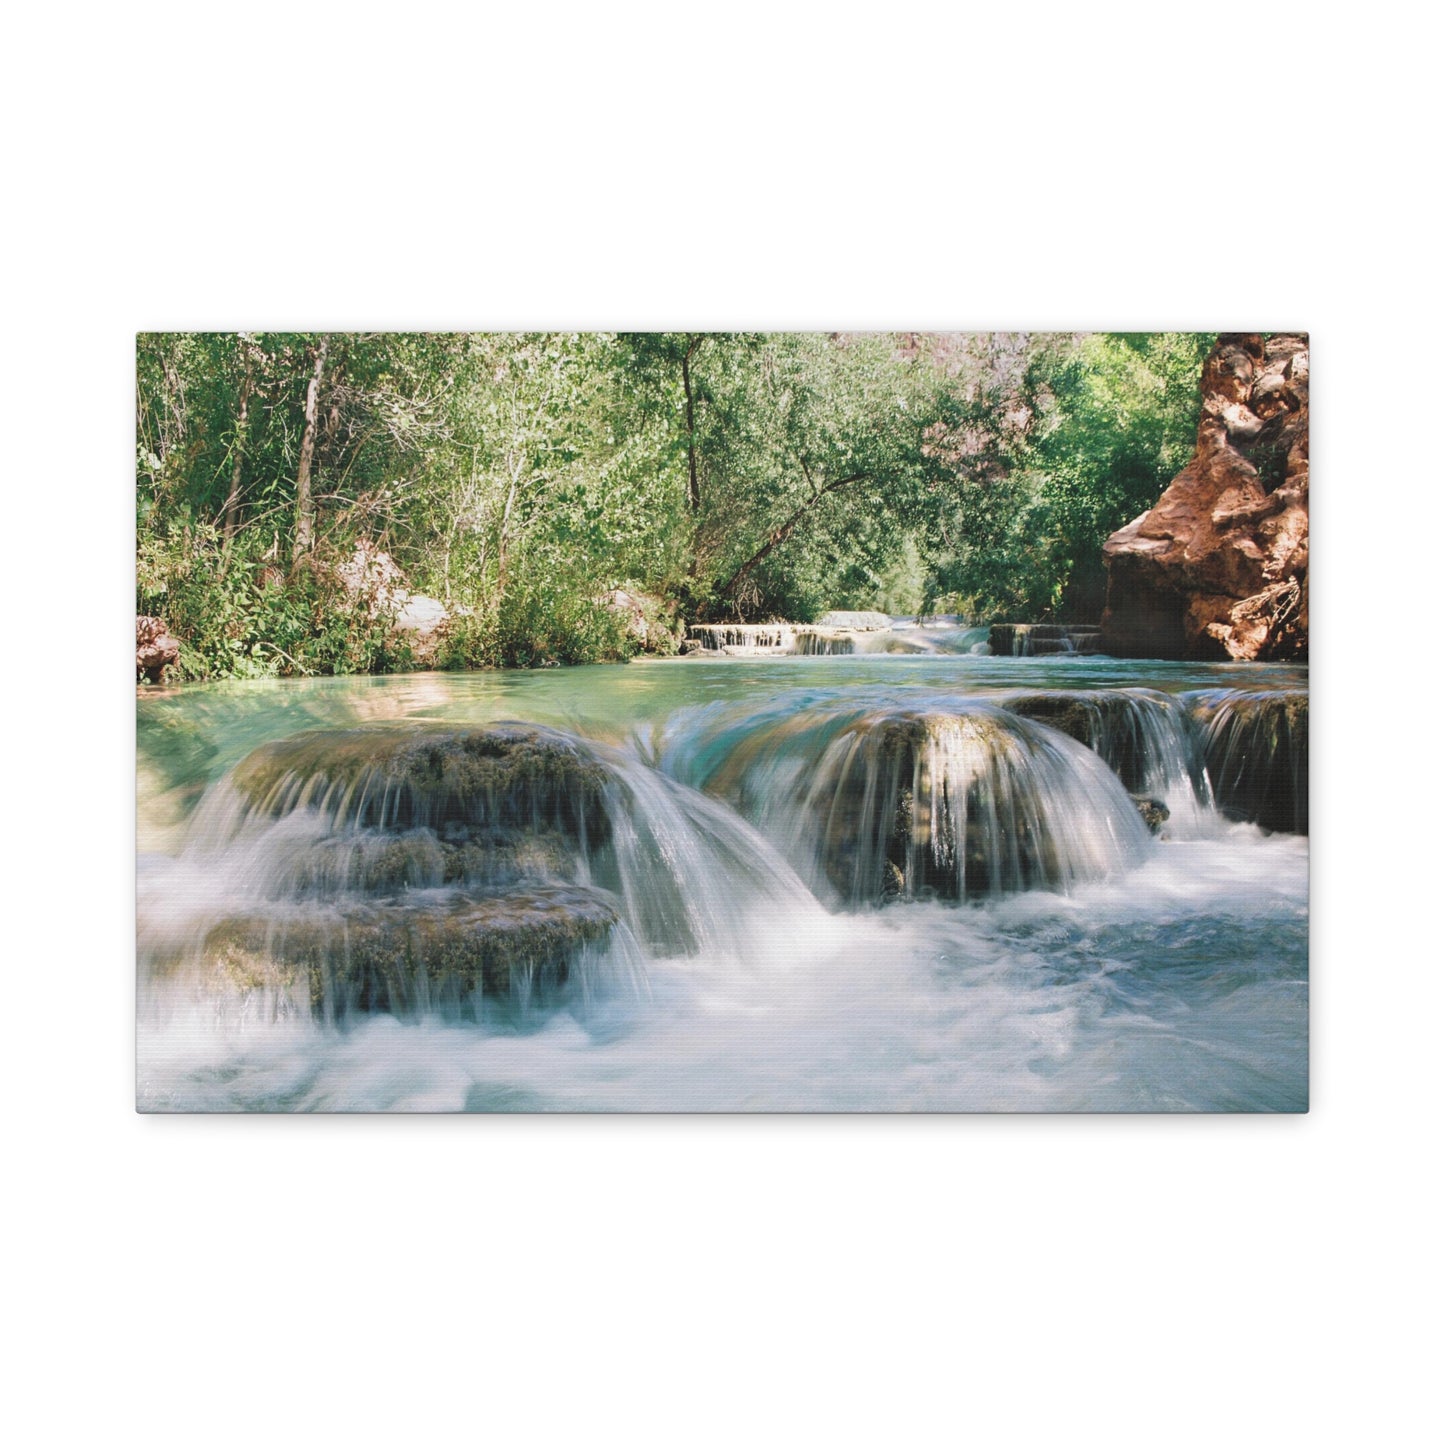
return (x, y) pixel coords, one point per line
(1219, 566)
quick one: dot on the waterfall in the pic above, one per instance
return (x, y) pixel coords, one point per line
(745, 639)
(815, 642)
(1147, 738)
(428, 870)
(836, 634)
(1042, 639)
(857, 883)
(1256, 747)
(952, 798)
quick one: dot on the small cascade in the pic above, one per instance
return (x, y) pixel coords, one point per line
(448, 871)
(820, 642)
(1149, 741)
(745, 639)
(953, 799)
(930, 637)
(1256, 748)
(1042, 639)
(834, 635)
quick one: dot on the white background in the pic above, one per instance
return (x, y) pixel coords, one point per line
(781, 166)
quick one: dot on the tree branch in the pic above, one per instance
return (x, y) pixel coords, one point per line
(780, 534)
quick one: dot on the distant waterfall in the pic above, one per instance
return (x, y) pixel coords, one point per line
(836, 634)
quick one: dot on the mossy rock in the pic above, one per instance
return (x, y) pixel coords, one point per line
(1107, 722)
(881, 843)
(462, 784)
(387, 864)
(1069, 712)
(408, 956)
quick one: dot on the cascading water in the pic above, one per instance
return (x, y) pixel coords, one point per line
(391, 894)
(745, 639)
(812, 643)
(1042, 639)
(838, 634)
(953, 800)
(1256, 747)
(1147, 739)
(441, 871)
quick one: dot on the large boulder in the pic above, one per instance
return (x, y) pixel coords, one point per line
(155, 649)
(463, 783)
(649, 620)
(1218, 567)
(404, 870)
(956, 805)
(378, 586)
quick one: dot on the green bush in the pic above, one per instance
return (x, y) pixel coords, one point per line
(537, 624)
(238, 615)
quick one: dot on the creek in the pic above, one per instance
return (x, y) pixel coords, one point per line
(920, 880)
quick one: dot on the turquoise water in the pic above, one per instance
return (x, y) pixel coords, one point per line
(1160, 973)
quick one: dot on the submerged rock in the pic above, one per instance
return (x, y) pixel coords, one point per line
(1153, 811)
(374, 862)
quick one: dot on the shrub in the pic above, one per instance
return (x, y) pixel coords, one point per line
(238, 615)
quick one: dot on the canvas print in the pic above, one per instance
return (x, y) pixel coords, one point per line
(722, 722)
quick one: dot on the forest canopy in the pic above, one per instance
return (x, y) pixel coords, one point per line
(519, 477)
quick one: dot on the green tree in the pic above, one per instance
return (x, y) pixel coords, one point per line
(1118, 425)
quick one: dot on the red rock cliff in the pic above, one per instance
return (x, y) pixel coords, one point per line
(1219, 566)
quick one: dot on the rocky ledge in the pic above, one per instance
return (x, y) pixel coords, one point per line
(408, 955)
(1040, 639)
(155, 649)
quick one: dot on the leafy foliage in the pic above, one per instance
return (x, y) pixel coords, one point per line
(519, 477)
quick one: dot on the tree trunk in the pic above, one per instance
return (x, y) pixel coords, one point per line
(516, 469)
(305, 508)
(694, 492)
(230, 513)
